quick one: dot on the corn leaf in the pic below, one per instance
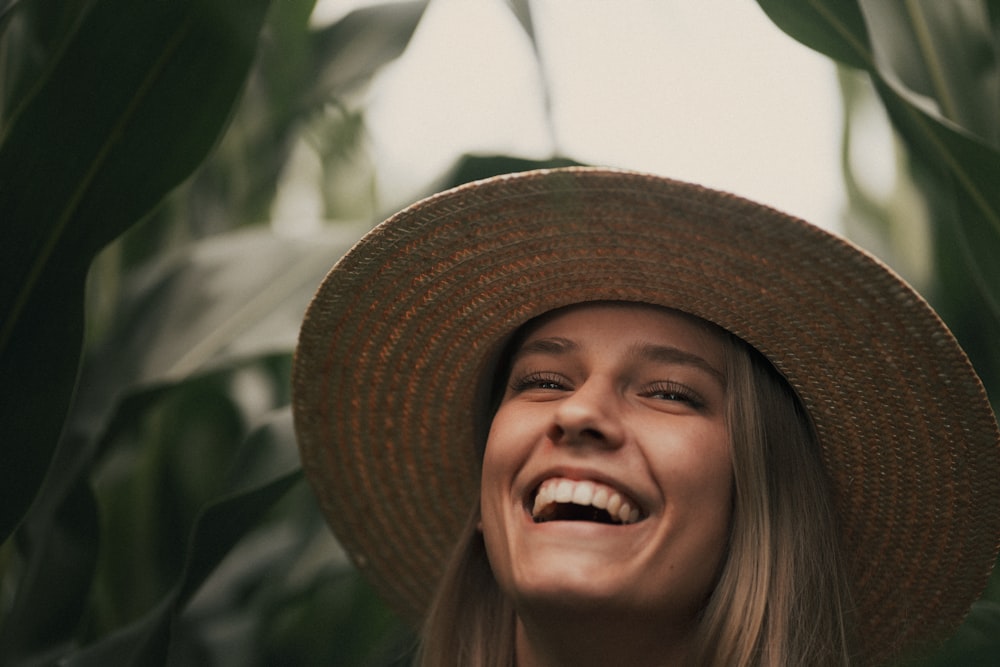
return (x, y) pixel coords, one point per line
(128, 105)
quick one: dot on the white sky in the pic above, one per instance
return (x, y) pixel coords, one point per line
(708, 91)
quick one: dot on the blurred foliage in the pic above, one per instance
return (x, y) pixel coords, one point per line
(172, 526)
(152, 509)
(94, 132)
(935, 68)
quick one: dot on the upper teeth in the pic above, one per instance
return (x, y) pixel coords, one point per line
(562, 490)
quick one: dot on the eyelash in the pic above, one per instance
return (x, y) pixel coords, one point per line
(537, 380)
(671, 391)
(675, 392)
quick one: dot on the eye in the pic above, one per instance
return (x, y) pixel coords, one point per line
(674, 392)
(539, 380)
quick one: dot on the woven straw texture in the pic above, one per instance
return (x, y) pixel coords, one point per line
(396, 344)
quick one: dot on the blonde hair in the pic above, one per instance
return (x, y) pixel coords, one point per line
(782, 597)
(470, 622)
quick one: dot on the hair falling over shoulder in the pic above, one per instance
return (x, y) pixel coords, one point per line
(785, 572)
(470, 622)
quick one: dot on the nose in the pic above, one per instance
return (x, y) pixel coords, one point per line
(591, 414)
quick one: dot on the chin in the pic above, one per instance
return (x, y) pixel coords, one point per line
(567, 584)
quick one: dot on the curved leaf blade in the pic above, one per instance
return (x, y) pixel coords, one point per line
(251, 493)
(60, 551)
(942, 53)
(835, 29)
(348, 53)
(131, 107)
(936, 67)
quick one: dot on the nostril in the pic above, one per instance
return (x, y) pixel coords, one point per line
(556, 433)
(577, 436)
(587, 416)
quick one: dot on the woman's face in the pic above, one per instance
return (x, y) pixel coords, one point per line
(607, 473)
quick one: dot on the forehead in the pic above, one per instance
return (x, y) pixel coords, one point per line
(612, 321)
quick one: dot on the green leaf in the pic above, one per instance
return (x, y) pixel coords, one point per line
(475, 167)
(964, 204)
(835, 29)
(301, 73)
(125, 111)
(936, 67)
(348, 53)
(939, 55)
(226, 298)
(209, 308)
(977, 643)
(252, 492)
(60, 555)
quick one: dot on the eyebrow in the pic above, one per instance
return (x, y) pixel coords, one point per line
(555, 345)
(664, 354)
(667, 354)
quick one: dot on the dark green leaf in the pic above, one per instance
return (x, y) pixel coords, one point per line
(941, 53)
(967, 286)
(221, 302)
(59, 556)
(977, 643)
(33, 32)
(253, 491)
(124, 112)
(836, 29)
(475, 167)
(937, 72)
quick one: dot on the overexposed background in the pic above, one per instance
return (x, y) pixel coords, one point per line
(708, 91)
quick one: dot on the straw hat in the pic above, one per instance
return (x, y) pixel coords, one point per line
(401, 338)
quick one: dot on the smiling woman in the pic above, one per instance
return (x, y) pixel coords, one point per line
(651, 435)
(624, 430)
(587, 416)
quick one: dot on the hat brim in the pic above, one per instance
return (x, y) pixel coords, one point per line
(397, 341)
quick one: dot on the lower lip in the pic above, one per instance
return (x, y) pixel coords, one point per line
(580, 526)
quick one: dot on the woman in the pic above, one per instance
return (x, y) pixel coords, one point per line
(678, 428)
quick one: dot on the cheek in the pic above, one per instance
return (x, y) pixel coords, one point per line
(711, 477)
(699, 457)
(492, 503)
(499, 459)
(507, 444)
(712, 469)
(696, 474)
(494, 455)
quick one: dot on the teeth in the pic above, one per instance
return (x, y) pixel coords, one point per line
(614, 504)
(543, 498)
(585, 493)
(600, 499)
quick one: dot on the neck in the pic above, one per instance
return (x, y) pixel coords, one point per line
(564, 638)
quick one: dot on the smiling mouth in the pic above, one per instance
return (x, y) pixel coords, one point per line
(561, 499)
